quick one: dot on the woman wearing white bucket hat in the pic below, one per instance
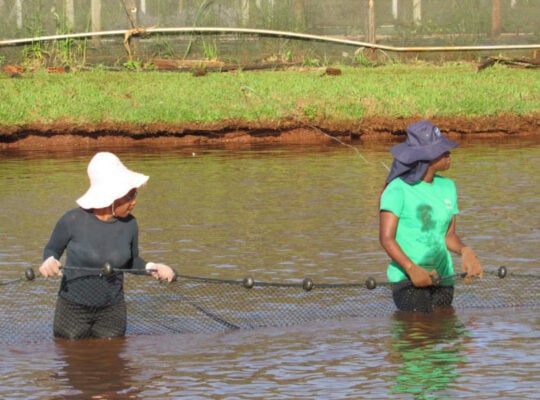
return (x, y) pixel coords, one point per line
(417, 217)
(100, 232)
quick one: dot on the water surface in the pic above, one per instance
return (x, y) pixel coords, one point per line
(280, 214)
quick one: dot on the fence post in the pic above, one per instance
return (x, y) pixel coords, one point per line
(70, 13)
(95, 11)
(496, 18)
(244, 12)
(417, 11)
(395, 9)
(371, 34)
(18, 14)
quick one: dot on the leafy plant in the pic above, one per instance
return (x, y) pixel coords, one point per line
(135, 65)
(162, 48)
(361, 59)
(210, 50)
(139, 65)
(35, 53)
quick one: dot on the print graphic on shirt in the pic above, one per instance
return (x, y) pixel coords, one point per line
(424, 213)
(427, 236)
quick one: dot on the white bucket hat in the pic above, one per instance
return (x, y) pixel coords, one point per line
(109, 180)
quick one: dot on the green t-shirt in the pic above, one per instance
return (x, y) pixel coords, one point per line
(425, 211)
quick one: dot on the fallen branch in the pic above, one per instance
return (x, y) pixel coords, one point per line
(521, 62)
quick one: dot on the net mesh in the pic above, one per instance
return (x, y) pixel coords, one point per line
(197, 305)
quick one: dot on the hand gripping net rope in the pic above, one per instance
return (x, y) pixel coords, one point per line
(195, 304)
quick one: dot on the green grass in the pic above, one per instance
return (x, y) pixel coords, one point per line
(148, 97)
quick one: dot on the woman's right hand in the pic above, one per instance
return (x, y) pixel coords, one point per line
(50, 267)
(161, 271)
(420, 277)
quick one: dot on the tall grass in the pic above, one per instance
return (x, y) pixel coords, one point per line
(308, 95)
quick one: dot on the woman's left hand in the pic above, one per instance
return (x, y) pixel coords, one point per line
(163, 272)
(470, 263)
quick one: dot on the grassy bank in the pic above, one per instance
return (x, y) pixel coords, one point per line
(310, 95)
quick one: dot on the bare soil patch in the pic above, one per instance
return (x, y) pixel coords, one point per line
(63, 134)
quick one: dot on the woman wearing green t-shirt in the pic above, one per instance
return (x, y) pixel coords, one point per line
(418, 221)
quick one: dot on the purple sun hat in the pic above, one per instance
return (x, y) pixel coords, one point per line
(424, 143)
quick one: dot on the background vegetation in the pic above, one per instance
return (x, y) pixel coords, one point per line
(394, 22)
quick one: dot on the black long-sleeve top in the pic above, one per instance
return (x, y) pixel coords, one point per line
(89, 244)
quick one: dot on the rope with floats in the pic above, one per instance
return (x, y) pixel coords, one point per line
(192, 304)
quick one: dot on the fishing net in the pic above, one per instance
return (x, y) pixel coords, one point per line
(196, 304)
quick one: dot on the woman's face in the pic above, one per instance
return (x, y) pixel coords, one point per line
(124, 205)
(441, 163)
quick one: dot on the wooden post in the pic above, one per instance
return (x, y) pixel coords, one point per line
(70, 13)
(182, 18)
(371, 33)
(395, 9)
(95, 12)
(18, 13)
(244, 12)
(496, 18)
(95, 6)
(417, 11)
(299, 10)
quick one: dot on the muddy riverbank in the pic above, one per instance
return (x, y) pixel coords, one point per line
(65, 134)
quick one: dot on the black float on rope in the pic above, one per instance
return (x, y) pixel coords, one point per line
(248, 282)
(371, 283)
(307, 284)
(107, 270)
(29, 274)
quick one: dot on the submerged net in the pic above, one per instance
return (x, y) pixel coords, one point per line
(196, 305)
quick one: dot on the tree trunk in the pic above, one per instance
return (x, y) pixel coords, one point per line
(133, 41)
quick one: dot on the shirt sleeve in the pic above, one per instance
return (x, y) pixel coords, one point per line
(138, 261)
(456, 206)
(392, 198)
(58, 240)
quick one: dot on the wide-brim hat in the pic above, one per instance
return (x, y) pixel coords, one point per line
(424, 143)
(109, 180)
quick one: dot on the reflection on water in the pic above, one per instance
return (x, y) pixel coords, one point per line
(428, 348)
(95, 369)
(280, 214)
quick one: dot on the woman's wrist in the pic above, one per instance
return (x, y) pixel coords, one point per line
(464, 250)
(408, 266)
